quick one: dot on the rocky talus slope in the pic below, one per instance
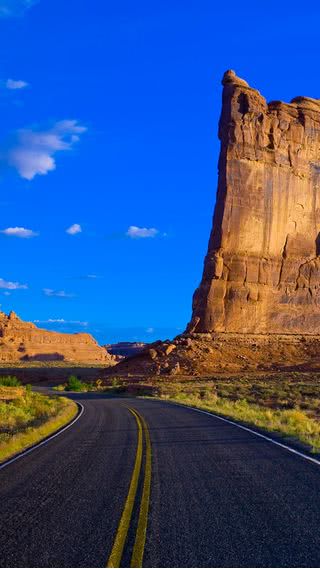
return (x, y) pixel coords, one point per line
(224, 353)
(23, 342)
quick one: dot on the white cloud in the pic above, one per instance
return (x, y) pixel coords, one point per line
(61, 321)
(11, 285)
(150, 330)
(10, 8)
(74, 229)
(19, 84)
(7, 293)
(57, 293)
(141, 232)
(21, 232)
(34, 150)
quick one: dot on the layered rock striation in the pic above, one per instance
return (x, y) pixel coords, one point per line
(23, 341)
(262, 270)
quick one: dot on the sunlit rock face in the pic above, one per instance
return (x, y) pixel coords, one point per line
(262, 270)
(23, 342)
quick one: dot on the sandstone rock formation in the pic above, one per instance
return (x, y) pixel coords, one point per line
(23, 341)
(258, 305)
(262, 270)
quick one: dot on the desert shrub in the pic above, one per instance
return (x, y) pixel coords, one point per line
(75, 384)
(24, 411)
(208, 394)
(115, 382)
(9, 381)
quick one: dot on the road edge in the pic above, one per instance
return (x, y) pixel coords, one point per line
(249, 430)
(44, 440)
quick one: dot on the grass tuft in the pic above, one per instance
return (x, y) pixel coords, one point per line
(9, 381)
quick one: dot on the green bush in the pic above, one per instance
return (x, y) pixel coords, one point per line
(75, 384)
(9, 381)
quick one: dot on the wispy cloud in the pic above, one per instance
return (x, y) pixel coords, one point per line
(61, 321)
(74, 229)
(57, 293)
(16, 84)
(12, 8)
(33, 151)
(86, 277)
(10, 285)
(21, 232)
(141, 232)
(150, 330)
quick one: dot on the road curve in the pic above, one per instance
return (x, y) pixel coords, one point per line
(220, 496)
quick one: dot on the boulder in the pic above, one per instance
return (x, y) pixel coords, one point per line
(169, 349)
(153, 353)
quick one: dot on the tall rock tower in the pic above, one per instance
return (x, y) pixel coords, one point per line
(262, 270)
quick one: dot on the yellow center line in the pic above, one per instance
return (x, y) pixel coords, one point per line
(121, 535)
(139, 544)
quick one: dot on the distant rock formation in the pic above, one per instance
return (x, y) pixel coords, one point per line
(262, 270)
(24, 342)
(125, 349)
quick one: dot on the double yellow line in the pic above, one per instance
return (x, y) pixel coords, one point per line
(124, 524)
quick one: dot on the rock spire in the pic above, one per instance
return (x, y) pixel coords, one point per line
(262, 270)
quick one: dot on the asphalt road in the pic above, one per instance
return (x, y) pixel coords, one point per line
(220, 497)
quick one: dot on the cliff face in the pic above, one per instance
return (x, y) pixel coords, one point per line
(23, 341)
(262, 270)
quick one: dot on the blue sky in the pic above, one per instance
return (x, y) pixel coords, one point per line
(109, 117)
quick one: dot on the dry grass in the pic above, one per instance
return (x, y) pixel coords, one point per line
(11, 393)
(30, 417)
(290, 422)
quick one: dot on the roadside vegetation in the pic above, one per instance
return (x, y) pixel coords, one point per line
(288, 406)
(75, 384)
(285, 403)
(27, 417)
(290, 422)
(112, 386)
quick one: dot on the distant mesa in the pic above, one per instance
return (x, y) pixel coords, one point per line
(23, 342)
(125, 349)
